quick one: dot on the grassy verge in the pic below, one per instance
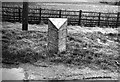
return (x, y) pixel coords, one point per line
(83, 48)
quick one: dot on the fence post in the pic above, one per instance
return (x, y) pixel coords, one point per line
(13, 14)
(117, 19)
(40, 15)
(99, 19)
(25, 16)
(80, 15)
(60, 13)
(19, 14)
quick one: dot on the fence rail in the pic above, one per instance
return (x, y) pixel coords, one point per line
(82, 18)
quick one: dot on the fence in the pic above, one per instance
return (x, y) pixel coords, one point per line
(82, 18)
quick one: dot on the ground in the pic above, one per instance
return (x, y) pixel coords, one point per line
(92, 52)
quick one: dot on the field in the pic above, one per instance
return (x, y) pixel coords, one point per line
(95, 7)
(89, 48)
(87, 18)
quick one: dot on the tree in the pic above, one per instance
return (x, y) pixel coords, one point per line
(25, 15)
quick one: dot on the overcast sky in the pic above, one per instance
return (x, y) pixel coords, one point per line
(57, 0)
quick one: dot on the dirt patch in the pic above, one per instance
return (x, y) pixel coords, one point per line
(63, 72)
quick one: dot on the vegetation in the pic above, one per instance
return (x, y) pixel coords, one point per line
(84, 48)
(92, 7)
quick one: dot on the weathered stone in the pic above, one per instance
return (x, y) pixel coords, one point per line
(57, 33)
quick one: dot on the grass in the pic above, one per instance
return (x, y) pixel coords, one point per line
(85, 47)
(22, 46)
(76, 6)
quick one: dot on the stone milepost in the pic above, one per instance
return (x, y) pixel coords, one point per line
(57, 34)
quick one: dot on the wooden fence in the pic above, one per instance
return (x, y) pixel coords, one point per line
(82, 18)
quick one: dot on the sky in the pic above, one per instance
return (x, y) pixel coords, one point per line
(57, 0)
